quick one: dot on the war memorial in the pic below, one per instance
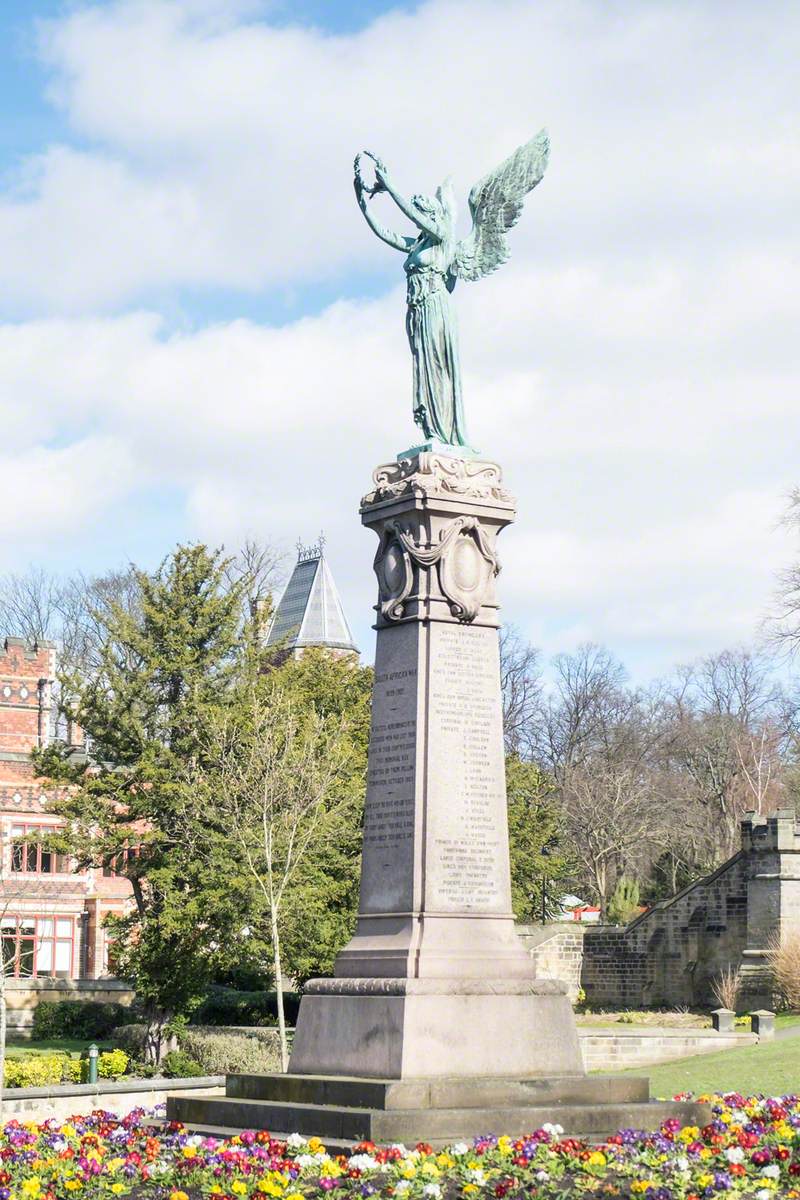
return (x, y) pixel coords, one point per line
(434, 1026)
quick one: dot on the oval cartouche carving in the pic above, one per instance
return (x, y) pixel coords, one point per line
(467, 564)
(394, 571)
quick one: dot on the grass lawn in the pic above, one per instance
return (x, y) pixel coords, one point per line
(770, 1067)
(20, 1047)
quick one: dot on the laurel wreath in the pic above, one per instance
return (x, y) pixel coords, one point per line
(368, 189)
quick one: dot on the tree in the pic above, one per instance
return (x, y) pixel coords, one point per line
(540, 862)
(521, 687)
(166, 668)
(624, 902)
(272, 766)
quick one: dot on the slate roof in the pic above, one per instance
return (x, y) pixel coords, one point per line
(310, 612)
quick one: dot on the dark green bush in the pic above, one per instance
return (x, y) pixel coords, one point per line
(180, 1065)
(78, 1019)
(226, 1006)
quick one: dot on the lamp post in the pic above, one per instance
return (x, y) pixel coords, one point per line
(93, 1053)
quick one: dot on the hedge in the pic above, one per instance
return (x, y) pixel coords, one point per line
(225, 1006)
(80, 1019)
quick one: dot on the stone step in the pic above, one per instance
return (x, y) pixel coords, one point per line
(438, 1126)
(344, 1092)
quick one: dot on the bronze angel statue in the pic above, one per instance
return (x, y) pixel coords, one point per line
(435, 260)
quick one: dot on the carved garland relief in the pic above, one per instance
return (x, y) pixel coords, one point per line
(465, 561)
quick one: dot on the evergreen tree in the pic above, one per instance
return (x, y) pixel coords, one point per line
(164, 670)
(541, 863)
(624, 903)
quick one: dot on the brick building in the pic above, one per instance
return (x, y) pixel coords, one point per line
(51, 916)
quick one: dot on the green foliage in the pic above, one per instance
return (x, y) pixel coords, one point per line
(36, 1070)
(80, 1019)
(321, 903)
(131, 1038)
(538, 852)
(177, 1064)
(226, 1006)
(229, 1053)
(624, 902)
(112, 1064)
(167, 664)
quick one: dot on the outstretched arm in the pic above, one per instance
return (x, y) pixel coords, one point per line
(426, 224)
(396, 240)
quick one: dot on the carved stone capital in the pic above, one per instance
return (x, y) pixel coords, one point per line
(431, 474)
(463, 555)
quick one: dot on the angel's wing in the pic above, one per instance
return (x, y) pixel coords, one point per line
(496, 203)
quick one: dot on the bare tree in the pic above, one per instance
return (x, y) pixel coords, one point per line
(272, 773)
(611, 815)
(521, 684)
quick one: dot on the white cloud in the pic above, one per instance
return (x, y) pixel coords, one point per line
(218, 148)
(633, 367)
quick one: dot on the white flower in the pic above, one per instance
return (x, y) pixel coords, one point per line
(735, 1154)
(403, 1185)
(554, 1130)
(159, 1167)
(399, 1146)
(773, 1171)
(305, 1160)
(542, 1176)
(295, 1139)
(431, 1189)
(363, 1162)
(682, 1163)
(763, 1194)
(459, 1148)
(476, 1175)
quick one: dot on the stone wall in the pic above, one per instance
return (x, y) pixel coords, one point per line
(23, 995)
(557, 951)
(620, 1050)
(672, 954)
(62, 1101)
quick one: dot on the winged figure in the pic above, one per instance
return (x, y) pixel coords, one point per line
(435, 260)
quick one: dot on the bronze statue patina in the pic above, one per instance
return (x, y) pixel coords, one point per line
(435, 260)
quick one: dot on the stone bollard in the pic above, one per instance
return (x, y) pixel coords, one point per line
(722, 1019)
(763, 1023)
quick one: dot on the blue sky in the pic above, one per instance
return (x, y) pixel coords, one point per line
(199, 338)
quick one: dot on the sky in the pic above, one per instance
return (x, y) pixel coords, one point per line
(200, 339)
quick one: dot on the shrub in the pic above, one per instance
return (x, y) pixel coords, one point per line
(226, 1053)
(783, 957)
(180, 1065)
(112, 1064)
(35, 1070)
(726, 986)
(76, 1070)
(624, 902)
(81, 1019)
(130, 1038)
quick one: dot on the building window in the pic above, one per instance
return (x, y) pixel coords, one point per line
(36, 947)
(32, 858)
(118, 865)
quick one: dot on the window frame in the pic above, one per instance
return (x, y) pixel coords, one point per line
(24, 852)
(39, 938)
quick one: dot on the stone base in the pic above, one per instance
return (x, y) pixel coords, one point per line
(343, 1111)
(434, 1028)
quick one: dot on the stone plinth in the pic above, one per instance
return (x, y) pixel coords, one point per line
(436, 981)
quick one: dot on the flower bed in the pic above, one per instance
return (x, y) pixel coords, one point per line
(751, 1148)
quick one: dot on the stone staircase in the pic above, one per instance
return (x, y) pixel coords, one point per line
(343, 1111)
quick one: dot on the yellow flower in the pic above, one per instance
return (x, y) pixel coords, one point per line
(114, 1164)
(504, 1144)
(295, 1196)
(268, 1188)
(705, 1153)
(641, 1185)
(191, 1151)
(117, 1188)
(725, 1117)
(705, 1179)
(238, 1186)
(596, 1159)
(689, 1133)
(408, 1171)
(430, 1169)
(315, 1145)
(31, 1187)
(178, 1196)
(68, 1130)
(445, 1161)
(72, 1184)
(469, 1189)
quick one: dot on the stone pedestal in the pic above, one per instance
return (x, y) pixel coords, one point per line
(434, 1027)
(435, 981)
